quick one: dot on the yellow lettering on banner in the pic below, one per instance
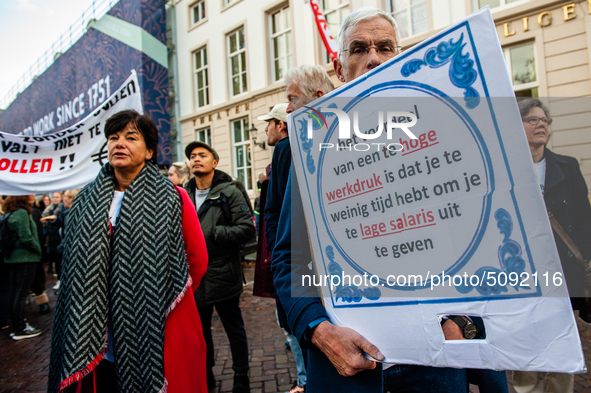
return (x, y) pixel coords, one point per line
(506, 27)
(569, 11)
(541, 19)
(526, 23)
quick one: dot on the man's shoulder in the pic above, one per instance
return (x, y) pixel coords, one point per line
(220, 180)
(283, 145)
(281, 156)
(229, 188)
(283, 141)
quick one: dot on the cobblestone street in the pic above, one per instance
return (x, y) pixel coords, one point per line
(24, 364)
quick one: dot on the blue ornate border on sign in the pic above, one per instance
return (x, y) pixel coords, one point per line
(461, 71)
(307, 145)
(512, 264)
(348, 293)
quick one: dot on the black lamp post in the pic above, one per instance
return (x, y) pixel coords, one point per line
(253, 135)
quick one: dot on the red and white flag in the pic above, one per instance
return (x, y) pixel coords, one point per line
(329, 42)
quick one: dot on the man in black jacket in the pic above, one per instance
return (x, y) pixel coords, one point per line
(226, 222)
(566, 197)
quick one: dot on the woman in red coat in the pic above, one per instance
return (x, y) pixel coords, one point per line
(125, 319)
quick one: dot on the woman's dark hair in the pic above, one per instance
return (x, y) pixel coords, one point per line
(528, 104)
(13, 203)
(143, 123)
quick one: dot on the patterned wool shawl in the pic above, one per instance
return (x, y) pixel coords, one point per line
(137, 279)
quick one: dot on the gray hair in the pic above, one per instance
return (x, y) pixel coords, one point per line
(182, 171)
(360, 15)
(528, 104)
(309, 79)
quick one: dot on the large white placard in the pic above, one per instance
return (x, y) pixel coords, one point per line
(65, 159)
(450, 223)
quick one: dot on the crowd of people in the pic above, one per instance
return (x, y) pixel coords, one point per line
(31, 247)
(142, 261)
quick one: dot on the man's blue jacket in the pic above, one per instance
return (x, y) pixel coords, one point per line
(291, 260)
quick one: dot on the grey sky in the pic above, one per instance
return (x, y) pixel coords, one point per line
(28, 28)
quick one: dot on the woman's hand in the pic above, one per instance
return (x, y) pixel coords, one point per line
(48, 218)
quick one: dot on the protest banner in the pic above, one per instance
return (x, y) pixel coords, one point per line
(66, 159)
(421, 202)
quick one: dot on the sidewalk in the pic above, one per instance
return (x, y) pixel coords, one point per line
(24, 364)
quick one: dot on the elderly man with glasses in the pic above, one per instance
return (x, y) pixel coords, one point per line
(367, 38)
(339, 358)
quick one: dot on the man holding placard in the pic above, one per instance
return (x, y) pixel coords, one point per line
(368, 37)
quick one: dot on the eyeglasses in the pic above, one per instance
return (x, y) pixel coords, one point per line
(533, 120)
(360, 51)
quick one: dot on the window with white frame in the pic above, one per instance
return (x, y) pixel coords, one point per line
(281, 56)
(478, 4)
(201, 78)
(203, 135)
(198, 12)
(237, 62)
(410, 16)
(521, 64)
(335, 11)
(241, 146)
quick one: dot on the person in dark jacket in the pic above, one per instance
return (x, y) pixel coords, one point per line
(22, 260)
(226, 221)
(566, 197)
(272, 195)
(4, 282)
(38, 285)
(53, 238)
(263, 277)
(60, 221)
(277, 136)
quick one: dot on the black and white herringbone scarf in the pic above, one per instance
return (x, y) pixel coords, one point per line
(137, 281)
